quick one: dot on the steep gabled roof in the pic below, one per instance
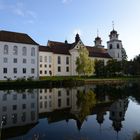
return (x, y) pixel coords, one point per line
(15, 37)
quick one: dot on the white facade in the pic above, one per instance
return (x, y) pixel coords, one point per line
(18, 60)
(46, 64)
(62, 65)
(21, 57)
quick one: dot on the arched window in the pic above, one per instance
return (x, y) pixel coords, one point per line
(32, 51)
(118, 46)
(110, 46)
(5, 49)
(15, 50)
(24, 51)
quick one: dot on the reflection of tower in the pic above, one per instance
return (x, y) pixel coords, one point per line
(117, 113)
(100, 117)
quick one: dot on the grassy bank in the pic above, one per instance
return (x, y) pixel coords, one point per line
(63, 81)
(42, 82)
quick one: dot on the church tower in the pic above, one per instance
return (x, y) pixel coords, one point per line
(114, 46)
(98, 41)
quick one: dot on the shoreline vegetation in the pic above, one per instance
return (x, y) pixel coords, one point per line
(64, 81)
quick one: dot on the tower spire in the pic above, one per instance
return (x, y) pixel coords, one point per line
(97, 32)
(113, 25)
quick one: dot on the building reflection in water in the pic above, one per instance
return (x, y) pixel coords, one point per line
(23, 109)
(18, 109)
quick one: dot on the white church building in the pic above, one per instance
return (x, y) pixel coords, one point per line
(22, 57)
(59, 58)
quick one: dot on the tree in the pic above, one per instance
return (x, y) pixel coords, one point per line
(99, 68)
(124, 55)
(84, 65)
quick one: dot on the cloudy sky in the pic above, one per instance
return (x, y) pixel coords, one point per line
(58, 20)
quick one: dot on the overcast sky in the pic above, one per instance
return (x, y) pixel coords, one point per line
(58, 20)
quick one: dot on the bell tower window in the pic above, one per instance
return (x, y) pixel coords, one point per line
(110, 46)
(118, 46)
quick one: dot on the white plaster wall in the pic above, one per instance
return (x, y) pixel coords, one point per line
(49, 63)
(63, 65)
(19, 65)
(115, 51)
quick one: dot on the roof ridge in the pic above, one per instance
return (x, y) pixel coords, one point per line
(14, 32)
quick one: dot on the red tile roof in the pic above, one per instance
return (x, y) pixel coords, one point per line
(45, 49)
(98, 52)
(63, 48)
(59, 47)
(15, 37)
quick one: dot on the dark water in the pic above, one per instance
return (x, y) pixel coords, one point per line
(90, 112)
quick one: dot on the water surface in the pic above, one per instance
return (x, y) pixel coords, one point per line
(90, 112)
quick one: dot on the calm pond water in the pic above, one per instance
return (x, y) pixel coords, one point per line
(90, 112)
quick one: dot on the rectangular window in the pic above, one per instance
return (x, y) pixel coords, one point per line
(5, 70)
(40, 71)
(5, 49)
(67, 69)
(4, 98)
(15, 97)
(32, 115)
(24, 51)
(45, 66)
(24, 70)
(15, 50)
(40, 58)
(4, 108)
(45, 72)
(45, 58)
(68, 101)
(23, 96)
(59, 93)
(24, 106)
(40, 65)
(50, 59)
(68, 93)
(5, 60)
(59, 69)
(67, 60)
(32, 105)
(59, 102)
(14, 70)
(15, 60)
(14, 107)
(32, 70)
(24, 60)
(32, 61)
(59, 60)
